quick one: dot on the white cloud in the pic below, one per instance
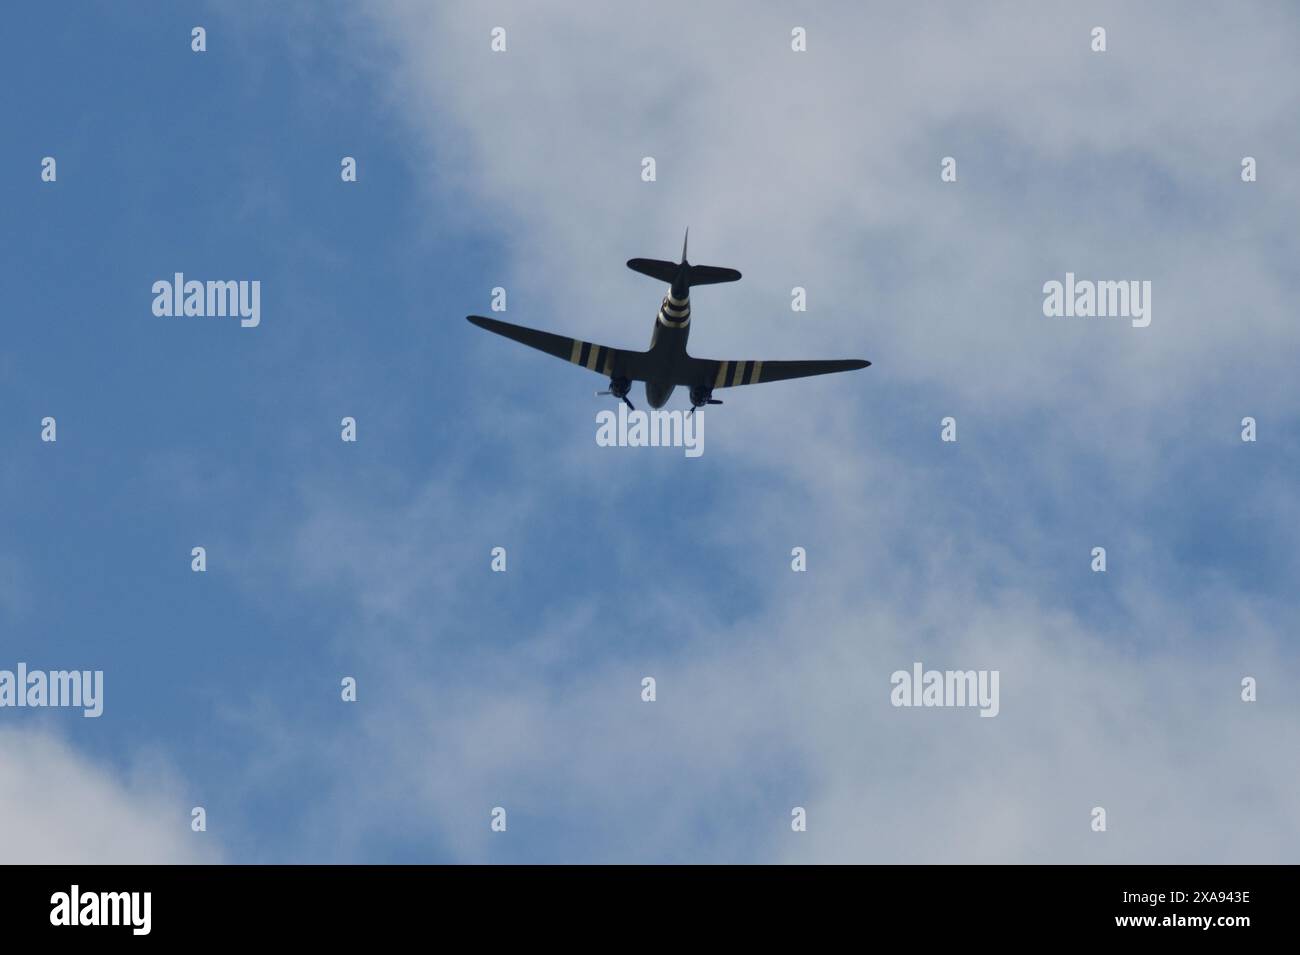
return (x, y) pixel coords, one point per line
(786, 702)
(58, 807)
(823, 171)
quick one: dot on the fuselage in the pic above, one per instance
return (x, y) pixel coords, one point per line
(668, 340)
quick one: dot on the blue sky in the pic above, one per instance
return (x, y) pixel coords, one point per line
(522, 689)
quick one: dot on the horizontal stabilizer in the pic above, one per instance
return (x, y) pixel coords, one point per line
(712, 275)
(696, 274)
(655, 268)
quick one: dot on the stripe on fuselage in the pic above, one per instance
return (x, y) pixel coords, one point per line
(674, 312)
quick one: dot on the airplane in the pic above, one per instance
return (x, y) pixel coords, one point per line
(667, 365)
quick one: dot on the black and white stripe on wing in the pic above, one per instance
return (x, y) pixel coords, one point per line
(732, 373)
(728, 374)
(595, 357)
(598, 358)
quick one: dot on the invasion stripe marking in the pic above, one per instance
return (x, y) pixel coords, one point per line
(594, 360)
(609, 361)
(758, 370)
(577, 350)
(586, 350)
(738, 376)
(722, 375)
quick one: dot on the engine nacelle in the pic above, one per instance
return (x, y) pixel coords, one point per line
(701, 396)
(619, 387)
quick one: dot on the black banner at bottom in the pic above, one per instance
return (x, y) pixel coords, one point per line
(375, 903)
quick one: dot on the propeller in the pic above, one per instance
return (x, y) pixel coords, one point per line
(707, 401)
(611, 394)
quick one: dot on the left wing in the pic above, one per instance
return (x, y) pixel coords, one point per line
(708, 373)
(612, 362)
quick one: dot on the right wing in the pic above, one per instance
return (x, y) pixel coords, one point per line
(709, 373)
(611, 362)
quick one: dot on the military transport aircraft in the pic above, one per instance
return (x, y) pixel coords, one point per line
(666, 365)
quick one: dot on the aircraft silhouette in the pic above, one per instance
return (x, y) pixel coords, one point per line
(666, 365)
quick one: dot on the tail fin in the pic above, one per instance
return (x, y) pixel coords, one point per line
(696, 274)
